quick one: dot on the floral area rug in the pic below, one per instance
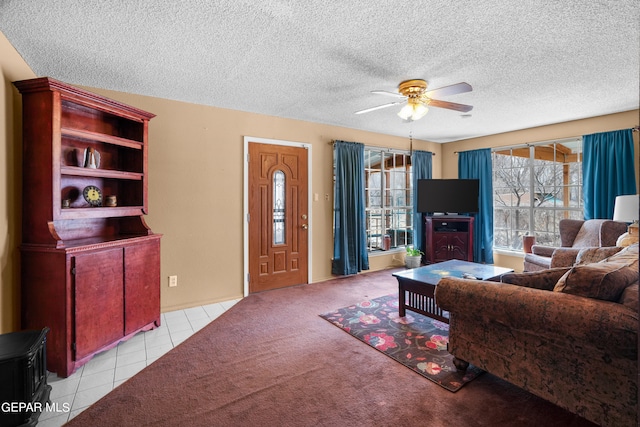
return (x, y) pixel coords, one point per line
(416, 341)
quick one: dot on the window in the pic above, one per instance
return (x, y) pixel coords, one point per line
(534, 187)
(388, 198)
(278, 208)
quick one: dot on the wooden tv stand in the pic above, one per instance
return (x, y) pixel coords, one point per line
(448, 237)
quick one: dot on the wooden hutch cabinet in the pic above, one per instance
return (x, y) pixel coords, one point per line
(90, 264)
(448, 237)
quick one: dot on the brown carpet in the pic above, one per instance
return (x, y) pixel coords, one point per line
(272, 361)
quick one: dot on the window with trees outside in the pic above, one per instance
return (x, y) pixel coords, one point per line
(388, 198)
(534, 187)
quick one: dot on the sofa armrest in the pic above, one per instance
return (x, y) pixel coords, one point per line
(543, 250)
(556, 317)
(564, 257)
(610, 231)
(543, 279)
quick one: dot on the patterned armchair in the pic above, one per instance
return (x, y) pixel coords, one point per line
(574, 235)
(568, 335)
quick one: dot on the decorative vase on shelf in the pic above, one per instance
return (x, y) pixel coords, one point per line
(91, 158)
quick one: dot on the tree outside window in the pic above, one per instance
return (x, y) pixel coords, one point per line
(535, 186)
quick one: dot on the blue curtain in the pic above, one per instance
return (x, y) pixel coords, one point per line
(607, 171)
(421, 162)
(350, 254)
(476, 164)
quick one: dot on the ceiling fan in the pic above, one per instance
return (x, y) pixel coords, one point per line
(414, 93)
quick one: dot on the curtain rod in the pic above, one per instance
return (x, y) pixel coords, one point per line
(530, 144)
(384, 148)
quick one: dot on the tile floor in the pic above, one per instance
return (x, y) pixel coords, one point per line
(106, 371)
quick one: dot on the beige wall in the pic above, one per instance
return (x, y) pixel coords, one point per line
(12, 68)
(195, 186)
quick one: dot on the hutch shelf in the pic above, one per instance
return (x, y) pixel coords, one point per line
(90, 263)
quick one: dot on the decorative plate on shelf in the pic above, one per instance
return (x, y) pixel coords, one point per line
(92, 195)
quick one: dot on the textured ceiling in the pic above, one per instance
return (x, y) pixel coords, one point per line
(530, 63)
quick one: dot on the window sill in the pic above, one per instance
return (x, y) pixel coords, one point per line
(389, 252)
(509, 252)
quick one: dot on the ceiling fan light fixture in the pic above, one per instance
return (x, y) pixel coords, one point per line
(413, 111)
(419, 111)
(406, 112)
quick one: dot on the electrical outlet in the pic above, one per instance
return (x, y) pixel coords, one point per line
(173, 281)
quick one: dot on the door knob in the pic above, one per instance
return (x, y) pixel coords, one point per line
(305, 226)
(304, 216)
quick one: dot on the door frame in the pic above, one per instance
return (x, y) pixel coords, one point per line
(245, 202)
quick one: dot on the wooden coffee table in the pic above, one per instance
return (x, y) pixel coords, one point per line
(417, 286)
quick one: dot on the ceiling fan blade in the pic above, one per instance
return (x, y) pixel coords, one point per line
(449, 105)
(385, 92)
(367, 110)
(449, 90)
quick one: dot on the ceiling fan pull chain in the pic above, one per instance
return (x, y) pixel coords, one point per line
(411, 138)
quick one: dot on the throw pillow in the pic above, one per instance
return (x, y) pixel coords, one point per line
(626, 256)
(590, 255)
(604, 281)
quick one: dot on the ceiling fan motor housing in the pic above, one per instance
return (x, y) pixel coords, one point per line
(412, 88)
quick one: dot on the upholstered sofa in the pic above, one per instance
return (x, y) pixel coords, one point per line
(574, 235)
(568, 335)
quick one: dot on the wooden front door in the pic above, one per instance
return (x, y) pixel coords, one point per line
(278, 217)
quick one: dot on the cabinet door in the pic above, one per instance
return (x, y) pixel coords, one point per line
(98, 291)
(459, 242)
(441, 247)
(142, 285)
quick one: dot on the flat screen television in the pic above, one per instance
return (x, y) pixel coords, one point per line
(448, 196)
